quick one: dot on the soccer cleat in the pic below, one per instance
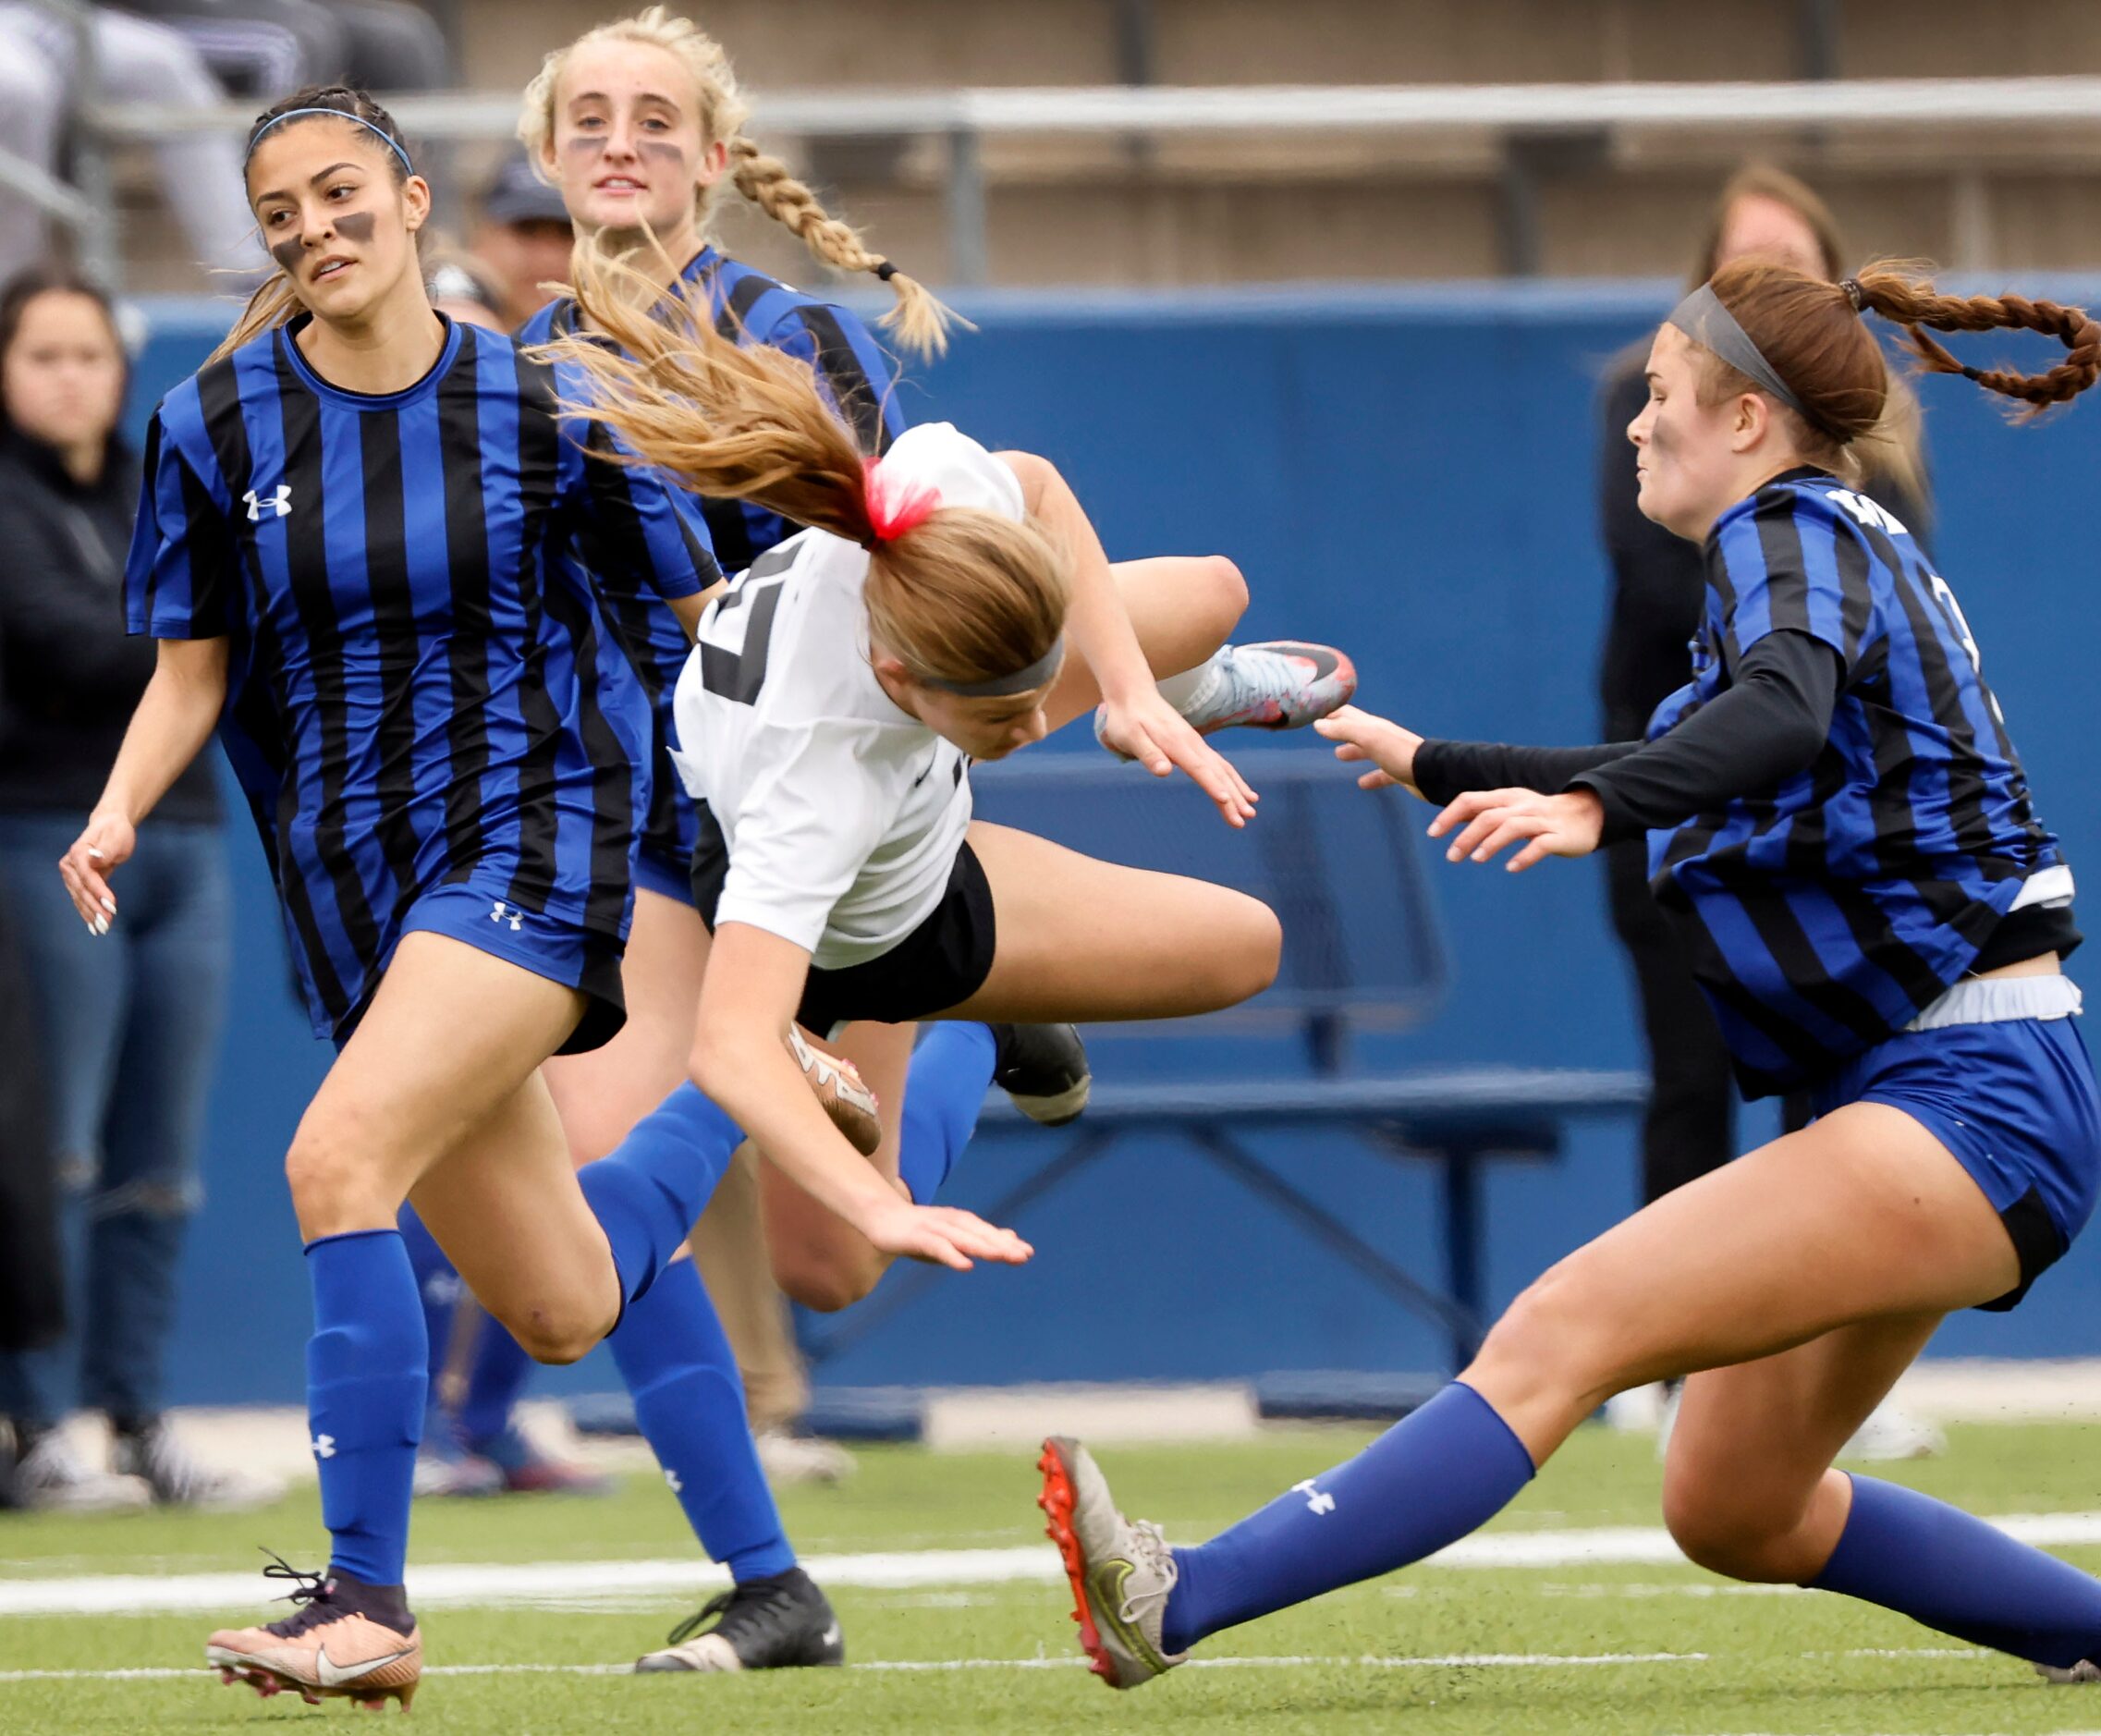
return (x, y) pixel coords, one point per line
(1121, 1572)
(1279, 684)
(782, 1622)
(1043, 1068)
(344, 1643)
(1891, 1434)
(525, 1470)
(52, 1478)
(177, 1479)
(447, 1471)
(2082, 1672)
(837, 1084)
(789, 1459)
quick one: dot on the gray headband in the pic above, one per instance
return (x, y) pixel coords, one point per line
(1702, 317)
(340, 114)
(1000, 686)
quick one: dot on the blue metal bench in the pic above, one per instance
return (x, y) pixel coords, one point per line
(1342, 871)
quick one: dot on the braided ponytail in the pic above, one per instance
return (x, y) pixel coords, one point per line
(919, 318)
(1912, 302)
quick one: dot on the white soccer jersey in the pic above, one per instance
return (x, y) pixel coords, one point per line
(842, 813)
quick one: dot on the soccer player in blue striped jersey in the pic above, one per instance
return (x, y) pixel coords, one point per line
(1837, 817)
(352, 548)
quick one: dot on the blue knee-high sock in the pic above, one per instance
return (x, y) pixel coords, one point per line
(1938, 1565)
(649, 1189)
(689, 1404)
(367, 1375)
(950, 1072)
(1439, 1472)
(495, 1381)
(437, 1282)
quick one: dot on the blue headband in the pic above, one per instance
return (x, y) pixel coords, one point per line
(340, 114)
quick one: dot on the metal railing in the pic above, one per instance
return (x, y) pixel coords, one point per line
(963, 118)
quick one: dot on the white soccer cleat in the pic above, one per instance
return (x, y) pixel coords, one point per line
(1890, 1434)
(1279, 684)
(840, 1092)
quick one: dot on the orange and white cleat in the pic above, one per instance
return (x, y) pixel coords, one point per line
(348, 1641)
(1121, 1571)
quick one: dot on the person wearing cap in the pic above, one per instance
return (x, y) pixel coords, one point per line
(522, 242)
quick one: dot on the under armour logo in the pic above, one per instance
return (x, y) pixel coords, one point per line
(671, 1481)
(507, 914)
(280, 503)
(325, 1446)
(1316, 1500)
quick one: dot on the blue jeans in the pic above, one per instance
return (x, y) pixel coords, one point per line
(131, 1026)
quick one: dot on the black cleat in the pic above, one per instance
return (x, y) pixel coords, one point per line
(783, 1623)
(1043, 1068)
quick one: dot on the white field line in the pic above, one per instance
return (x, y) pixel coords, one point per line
(1453, 1660)
(572, 1583)
(1457, 1660)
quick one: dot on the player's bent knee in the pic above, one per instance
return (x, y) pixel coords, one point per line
(1550, 1341)
(825, 1285)
(1250, 950)
(1729, 1537)
(1226, 592)
(556, 1336)
(333, 1192)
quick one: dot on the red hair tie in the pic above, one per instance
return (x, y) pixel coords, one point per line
(895, 505)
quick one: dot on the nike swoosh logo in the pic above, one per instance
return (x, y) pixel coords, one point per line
(831, 1636)
(332, 1675)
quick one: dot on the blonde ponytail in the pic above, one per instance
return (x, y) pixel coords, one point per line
(962, 595)
(919, 318)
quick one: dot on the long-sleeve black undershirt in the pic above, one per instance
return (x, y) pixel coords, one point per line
(1770, 725)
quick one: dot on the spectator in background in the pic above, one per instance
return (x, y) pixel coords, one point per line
(32, 1288)
(135, 62)
(264, 48)
(1658, 582)
(130, 1021)
(523, 240)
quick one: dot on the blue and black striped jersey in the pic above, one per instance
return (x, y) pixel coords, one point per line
(749, 308)
(419, 691)
(1826, 914)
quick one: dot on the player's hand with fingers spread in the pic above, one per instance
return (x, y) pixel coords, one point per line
(1357, 735)
(1151, 732)
(1488, 820)
(942, 1235)
(108, 841)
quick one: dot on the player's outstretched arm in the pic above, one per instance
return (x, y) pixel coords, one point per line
(748, 999)
(1140, 722)
(174, 718)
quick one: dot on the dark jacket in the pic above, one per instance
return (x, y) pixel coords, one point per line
(1659, 579)
(69, 676)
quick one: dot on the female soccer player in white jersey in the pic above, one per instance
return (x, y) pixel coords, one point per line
(1839, 823)
(353, 549)
(640, 124)
(828, 715)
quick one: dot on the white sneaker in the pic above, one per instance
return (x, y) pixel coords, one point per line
(1892, 1434)
(1121, 1571)
(1889, 1433)
(791, 1459)
(178, 1479)
(52, 1478)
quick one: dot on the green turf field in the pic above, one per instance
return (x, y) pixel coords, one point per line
(1588, 1646)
